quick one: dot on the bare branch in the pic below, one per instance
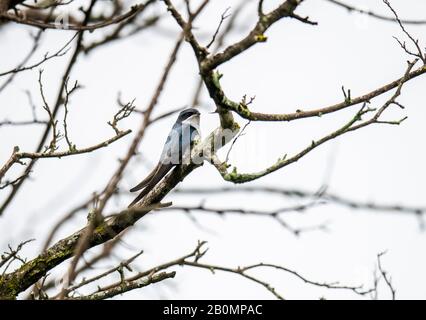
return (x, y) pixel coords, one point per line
(242, 271)
(12, 254)
(6, 123)
(223, 17)
(241, 133)
(134, 10)
(94, 218)
(419, 54)
(286, 9)
(373, 14)
(124, 264)
(323, 196)
(385, 276)
(220, 42)
(56, 135)
(274, 214)
(58, 102)
(68, 92)
(186, 26)
(352, 125)
(127, 286)
(18, 156)
(245, 113)
(123, 113)
(118, 34)
(61, 52)
(192, 260)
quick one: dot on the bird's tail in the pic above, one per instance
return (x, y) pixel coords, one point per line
(145, 181)
(150, 181)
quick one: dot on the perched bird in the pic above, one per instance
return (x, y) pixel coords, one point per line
(176, 149)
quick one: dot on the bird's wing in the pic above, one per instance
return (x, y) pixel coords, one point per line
(173, 146)
(167, 161)
(166, 155)
(177, 144)
(158, 174)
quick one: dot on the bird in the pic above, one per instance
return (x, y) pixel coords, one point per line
(176, 149)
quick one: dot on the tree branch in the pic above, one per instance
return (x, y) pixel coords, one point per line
(134, 10)
(373, 14)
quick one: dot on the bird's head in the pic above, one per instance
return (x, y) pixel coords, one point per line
(190, 116)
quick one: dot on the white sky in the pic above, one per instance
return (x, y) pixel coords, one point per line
(299, 67)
